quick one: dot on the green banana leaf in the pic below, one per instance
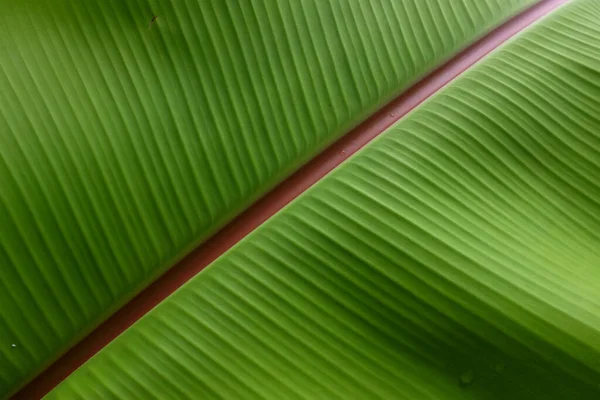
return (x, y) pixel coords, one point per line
(456, 257)
(131, 130)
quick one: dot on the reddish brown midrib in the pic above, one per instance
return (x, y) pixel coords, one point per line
(277, 199)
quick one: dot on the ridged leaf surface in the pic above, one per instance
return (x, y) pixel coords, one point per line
(131, 129)
(456, 257)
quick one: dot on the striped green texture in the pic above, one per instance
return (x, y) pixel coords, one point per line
(126, 139)
(456, 257)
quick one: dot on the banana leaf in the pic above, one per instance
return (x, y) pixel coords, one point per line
(456, 257)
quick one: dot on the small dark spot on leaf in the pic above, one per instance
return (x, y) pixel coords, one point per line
(152, 21)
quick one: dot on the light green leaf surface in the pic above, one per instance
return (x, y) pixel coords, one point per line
(456, 257)
(131, 129)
